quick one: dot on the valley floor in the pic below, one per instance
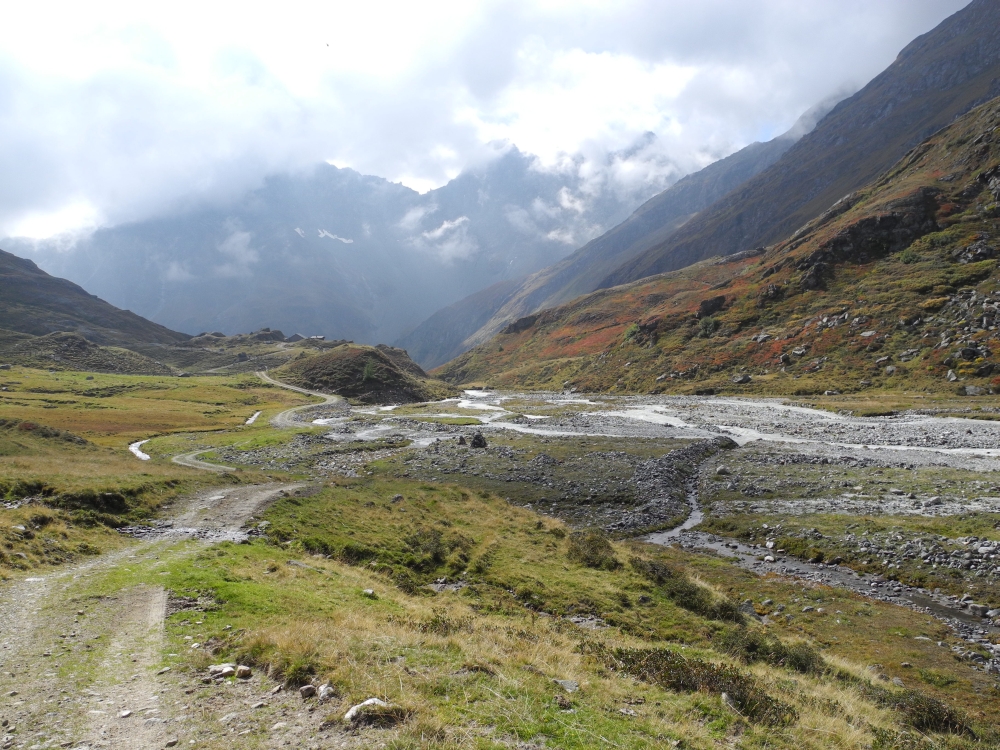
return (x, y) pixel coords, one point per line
(391, 555)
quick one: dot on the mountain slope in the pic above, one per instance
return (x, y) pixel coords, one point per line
(33, 302)
(337, 253)
(895, 286)
(936, 78)
(473, 320)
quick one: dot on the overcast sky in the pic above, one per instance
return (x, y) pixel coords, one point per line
(112, 112)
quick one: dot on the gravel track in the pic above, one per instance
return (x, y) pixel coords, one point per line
(287, 418)
(112, 645)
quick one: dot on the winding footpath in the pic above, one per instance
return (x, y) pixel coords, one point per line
(285, 419)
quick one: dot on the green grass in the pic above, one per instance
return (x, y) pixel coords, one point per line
(64, 438)
(475, 667)
(485, 656)
(464, 421)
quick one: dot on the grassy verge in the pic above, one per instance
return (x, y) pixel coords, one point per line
(63, 444)
(337, 593)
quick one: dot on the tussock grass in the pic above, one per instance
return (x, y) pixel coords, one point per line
(475, 666)
(592, 549)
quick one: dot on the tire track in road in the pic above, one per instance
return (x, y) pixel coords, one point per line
(191, 461)
(72, 663)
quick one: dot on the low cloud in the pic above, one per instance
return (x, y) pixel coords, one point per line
(450, 241)
(324, 233)
(115, 116)
(238, 254)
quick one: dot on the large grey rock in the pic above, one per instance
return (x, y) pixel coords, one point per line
(354, 713)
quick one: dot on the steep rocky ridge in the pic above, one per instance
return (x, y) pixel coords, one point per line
(33, 302)
(936, 78)
(473, 320)
(894, 286)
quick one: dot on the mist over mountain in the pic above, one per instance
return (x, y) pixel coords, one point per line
(475, 319)
(935, 79)
(340, 254)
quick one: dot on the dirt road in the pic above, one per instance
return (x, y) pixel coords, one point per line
(80, 668)
(287, 417)
(191, 460)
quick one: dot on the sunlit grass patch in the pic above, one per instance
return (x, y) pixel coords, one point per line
(338, 594)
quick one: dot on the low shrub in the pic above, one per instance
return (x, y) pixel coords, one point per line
(685, 593)
(752, 646)
(672, 671)
(592, 549)
(920, 711)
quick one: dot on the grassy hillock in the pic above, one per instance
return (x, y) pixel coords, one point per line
(71, 351)
(364, 373)
(895, 287)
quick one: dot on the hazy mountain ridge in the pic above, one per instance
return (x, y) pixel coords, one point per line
(936, 78)
(895, 286)
(337, 253)
(35, 303)
(473, 320)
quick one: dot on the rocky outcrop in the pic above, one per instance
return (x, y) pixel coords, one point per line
(889, 231)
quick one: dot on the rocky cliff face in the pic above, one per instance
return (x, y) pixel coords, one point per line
(936, 78)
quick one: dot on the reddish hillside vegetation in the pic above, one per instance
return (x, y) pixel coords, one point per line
(895, 286)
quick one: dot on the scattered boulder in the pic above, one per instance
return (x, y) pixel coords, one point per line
(974, 390)
(722, 471)
(307, 691)
(951, 377)
(326, 692)
(747, 609)
(243, 672)
(890, 370)
(742, 379)
(478, 441)
(461, 440)
(570, 686)
(712, 305)
(221, 671)
(374, 712)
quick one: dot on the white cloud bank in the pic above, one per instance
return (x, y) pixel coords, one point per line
(111, 112)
